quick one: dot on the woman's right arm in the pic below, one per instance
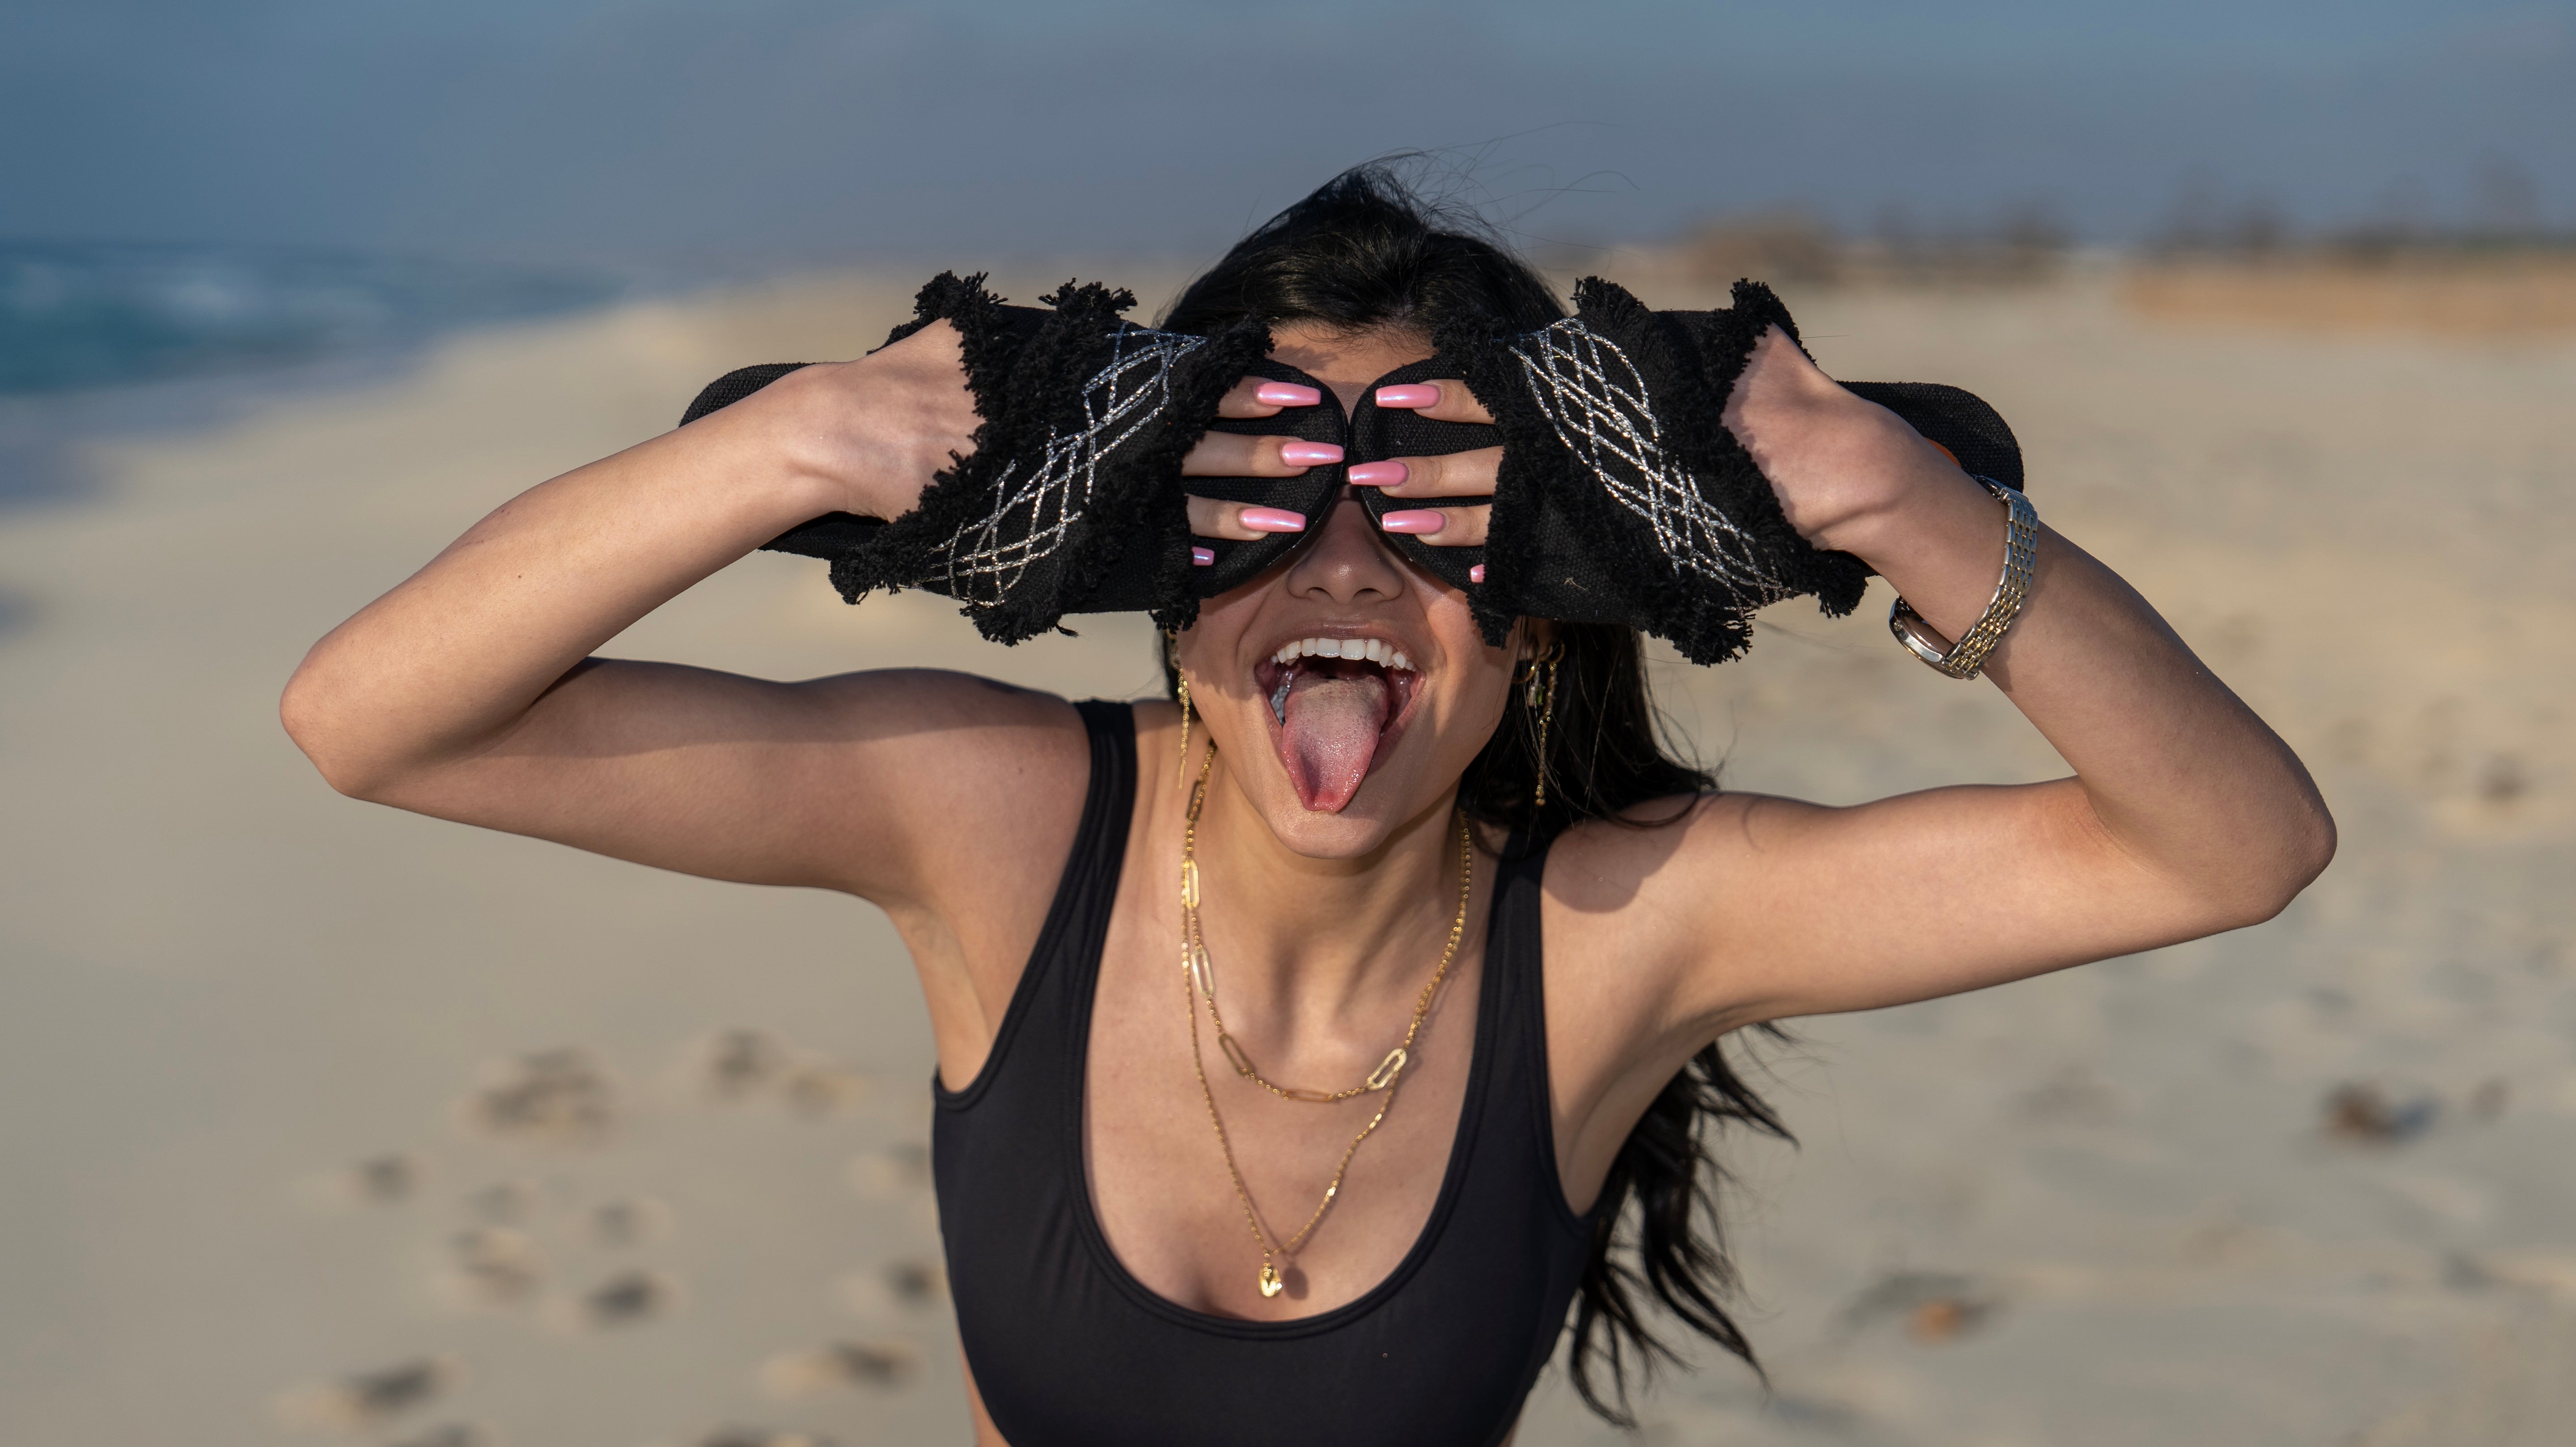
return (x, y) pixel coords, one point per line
(469, 692)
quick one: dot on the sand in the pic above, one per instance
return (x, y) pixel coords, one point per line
(2510, 294)
(324, 1122)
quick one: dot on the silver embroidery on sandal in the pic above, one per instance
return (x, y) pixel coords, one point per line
(1597, 403)
(1033, 510)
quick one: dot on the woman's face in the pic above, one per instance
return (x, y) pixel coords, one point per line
(1337, 752)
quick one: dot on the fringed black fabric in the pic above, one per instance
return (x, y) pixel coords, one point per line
(1623, 496)
(1076, 468)
(1070, 498)
(735, 385)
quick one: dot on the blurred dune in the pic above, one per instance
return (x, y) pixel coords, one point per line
(2459, 283)
(2505, 295)
(497, 1142)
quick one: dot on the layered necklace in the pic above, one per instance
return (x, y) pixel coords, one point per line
(1198, 982)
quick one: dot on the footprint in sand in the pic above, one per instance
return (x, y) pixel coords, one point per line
(736, 1065)
(491, 1266)
(916, 1284)
(878, 1365)
(386, 1180)
(820, 1087)
(627, 1223)
(742, 1066)
(1936, 1306)
(552, 1098)
(898, 1286)
(2365, 1114)
(629, 1298)
(366, 1400)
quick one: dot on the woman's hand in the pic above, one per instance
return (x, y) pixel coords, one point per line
(1844, 468)
(1231, 454)
(869, 434)
(1840, 465)
(1433, 480)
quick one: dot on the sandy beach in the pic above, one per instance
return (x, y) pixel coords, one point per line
(328, 1123)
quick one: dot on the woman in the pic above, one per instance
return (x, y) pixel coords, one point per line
(1456, 940)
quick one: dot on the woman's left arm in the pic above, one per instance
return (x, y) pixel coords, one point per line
(2186, 814)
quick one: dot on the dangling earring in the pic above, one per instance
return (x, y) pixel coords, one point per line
(1172, 658)
(1540, 699)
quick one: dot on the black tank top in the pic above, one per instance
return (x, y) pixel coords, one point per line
(1069, 1350)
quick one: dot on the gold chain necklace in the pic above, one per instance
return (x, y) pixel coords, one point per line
(1198, 979)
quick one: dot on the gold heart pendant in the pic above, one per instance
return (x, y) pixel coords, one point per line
(1270, 1282)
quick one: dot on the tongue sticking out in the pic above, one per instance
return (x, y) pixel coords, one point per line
(1330, 733)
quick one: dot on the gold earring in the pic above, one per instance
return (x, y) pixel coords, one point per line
(1542, 701)
(1181, 690)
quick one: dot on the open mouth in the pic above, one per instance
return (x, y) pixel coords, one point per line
(1337, 707)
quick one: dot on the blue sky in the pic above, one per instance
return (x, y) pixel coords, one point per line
(764, 130)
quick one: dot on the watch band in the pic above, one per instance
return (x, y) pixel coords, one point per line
(1967, 657)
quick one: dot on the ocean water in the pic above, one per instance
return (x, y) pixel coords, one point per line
(77, 316)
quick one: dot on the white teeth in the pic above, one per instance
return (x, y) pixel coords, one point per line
(1374, 650)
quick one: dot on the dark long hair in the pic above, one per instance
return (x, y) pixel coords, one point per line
(1365, 251)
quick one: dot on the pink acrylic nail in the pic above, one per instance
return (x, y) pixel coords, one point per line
(1202, 557)
(1273, 519)
(1476, 574)
(1286, 394)
(1421, 394)
(1378, 474)
(1309, 454)
(1415, 520)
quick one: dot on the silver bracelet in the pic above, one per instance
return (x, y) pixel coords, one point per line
(1967, 657)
